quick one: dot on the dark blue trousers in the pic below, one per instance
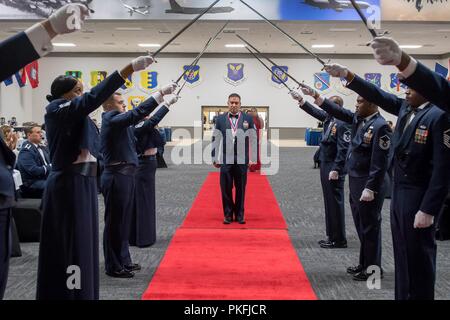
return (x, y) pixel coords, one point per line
(5, 248)
(118, 186)
(367, 219)
(414, 249)
(333, 197)
(69, 237)
(233, 175)
(143, 221)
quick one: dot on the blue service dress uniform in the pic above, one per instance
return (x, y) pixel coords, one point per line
(367, 164)
(431, 85)
(143, 220)
(421, 174)
(16, 52)
(118, 147)
(332, 155)
(7, 202)
(34, 169)
(69, 234)
(236, 152)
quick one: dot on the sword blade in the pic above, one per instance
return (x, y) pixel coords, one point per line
(315, 56)
(363, 18)
(197, 59)
(185, 28)
(267, 67)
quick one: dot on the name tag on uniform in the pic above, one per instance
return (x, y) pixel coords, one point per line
(421, 135)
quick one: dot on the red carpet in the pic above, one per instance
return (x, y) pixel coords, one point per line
(230, 265)
(261, 207)
(207, 260)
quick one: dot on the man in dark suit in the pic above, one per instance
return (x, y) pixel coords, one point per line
(34, 164)
(236, 133)
(421, 172)
(35, 42)
(431, 85)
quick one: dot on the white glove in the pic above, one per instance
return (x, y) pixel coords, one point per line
(170, 100)
(334, 175)
(336, 70)
(69, 18)
(296, 95)
(141, 63)
(308, 91)
(386, 51)
(367, 195)
(169, 89)
(423, 220)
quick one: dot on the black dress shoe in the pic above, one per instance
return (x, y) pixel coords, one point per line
(242, 221)
(227, 221)
(124, 274)
(355, 270)
(322, 241)
(334, 245)
(133, 267)
(364, 275)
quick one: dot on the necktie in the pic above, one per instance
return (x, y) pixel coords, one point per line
(409, 118)
(41, 152)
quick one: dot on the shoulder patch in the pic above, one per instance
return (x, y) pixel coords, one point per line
(447, 138)
(139, 125)
(385, 142)
(64, 105)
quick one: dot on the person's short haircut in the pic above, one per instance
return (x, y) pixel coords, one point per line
(29, 130)
(234, 95)
(338, 100)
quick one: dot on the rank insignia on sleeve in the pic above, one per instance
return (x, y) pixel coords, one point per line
(385, 142)
(447, 138)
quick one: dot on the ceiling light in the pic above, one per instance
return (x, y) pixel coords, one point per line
(64, 44)
(411, 46)
(235, 45)
(149, 45)
(323, 46)
(342, 30)
(129, 29)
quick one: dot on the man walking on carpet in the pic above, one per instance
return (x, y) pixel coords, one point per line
(235, 131)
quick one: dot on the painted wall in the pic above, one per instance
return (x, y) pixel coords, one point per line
(29, 105)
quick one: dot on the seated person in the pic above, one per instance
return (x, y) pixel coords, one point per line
(34, 164)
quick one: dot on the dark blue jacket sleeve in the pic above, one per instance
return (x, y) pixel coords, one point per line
(82, 106)
(431, 85)
(15, 52)
(438, 187)
(27, 164)
(153, 121)
(337, 112)
(313, 111)
(387, 101)
(380, 158)
(344, 133)
(134, 116)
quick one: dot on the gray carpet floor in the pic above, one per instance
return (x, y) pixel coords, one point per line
(297, 188)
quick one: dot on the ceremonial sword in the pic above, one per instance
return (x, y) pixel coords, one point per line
(270, 70)
(184, 29)
(197, 59)
(315, 56)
